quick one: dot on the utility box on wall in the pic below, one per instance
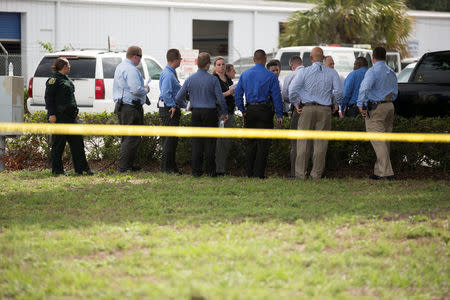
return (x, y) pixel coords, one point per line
(11, 100)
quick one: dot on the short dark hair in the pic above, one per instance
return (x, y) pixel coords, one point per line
(59, 63)
(361, 61)
(259, 55)
(173, 54)
(379, 53)
(295, 60)
(228, 67)
(203, 59)
(273, 63)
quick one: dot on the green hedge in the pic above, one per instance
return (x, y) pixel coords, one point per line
(404, 156)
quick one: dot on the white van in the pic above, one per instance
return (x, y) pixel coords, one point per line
(393, 61)
(92, 72)
(344, 57)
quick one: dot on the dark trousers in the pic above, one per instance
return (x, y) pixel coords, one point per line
(76, 144)
(258, 116)
(204, 147)
(352, 111)
(293, 154)
(129, 115)
(169, 144)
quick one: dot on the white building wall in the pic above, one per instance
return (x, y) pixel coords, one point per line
(431, 33)
(158, 26)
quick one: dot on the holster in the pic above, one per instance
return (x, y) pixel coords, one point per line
(118, 107)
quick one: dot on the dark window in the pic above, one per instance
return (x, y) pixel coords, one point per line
(109, 66)
(45, 67)
(434, 68)
(307, 59)
(79, 67)
(82, 67)
(285, 57)
(154, 70)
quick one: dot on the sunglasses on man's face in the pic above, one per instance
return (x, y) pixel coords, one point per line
(139, 55)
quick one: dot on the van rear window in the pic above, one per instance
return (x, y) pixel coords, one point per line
(79, 67)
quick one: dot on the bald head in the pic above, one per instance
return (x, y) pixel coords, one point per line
(316, 54)
(259, 57)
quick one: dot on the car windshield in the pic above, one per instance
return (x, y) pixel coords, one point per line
(343, 60)
(404, 74)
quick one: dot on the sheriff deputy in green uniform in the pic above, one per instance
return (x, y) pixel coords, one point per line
(62, 108)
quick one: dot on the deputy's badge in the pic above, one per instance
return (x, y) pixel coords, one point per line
(52, 80)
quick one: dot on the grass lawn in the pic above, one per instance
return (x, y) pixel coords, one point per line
(155, 236)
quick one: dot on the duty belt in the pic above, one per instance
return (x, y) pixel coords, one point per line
(314, 104)
(260, 103)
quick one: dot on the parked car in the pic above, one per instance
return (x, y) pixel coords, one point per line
(344, 57)
(393, 61)
(404, 75)
(427, 90)
(92, 72)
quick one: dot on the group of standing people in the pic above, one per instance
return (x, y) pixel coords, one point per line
(311, 94)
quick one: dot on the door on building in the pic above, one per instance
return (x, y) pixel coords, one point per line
(10, 38)
(211, 37)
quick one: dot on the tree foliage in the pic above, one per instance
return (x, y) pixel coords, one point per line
(375, 22)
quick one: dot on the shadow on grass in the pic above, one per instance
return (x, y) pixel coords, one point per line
(164, 199)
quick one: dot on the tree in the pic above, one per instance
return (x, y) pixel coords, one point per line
(375, 22)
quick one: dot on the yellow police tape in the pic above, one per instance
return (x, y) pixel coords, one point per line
(91, 129)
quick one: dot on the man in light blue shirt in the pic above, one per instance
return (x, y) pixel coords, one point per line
(205, 95)
(351, 88)
(168, 111)
(296, 64)
(129, 94)
(375, 102)
(311, 93)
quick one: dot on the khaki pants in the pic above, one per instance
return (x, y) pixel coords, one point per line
(381, 120)
(312, 118)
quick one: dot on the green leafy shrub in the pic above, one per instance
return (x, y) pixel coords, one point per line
(341, 154)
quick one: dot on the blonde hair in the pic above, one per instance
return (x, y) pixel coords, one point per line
(216, 59)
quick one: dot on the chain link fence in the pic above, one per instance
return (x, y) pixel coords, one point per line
(15, 59)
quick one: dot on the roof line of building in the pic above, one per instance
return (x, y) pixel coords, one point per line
(270, 7)
(191, 5)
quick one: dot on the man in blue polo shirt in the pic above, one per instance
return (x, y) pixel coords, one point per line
(170, 114)
(262, 95)
(377, 93)
(351, 88)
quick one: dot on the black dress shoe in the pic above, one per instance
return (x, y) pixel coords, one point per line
(60, 173)
(135, 168)
(220, 174)
(376, 177)
(89, 172)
